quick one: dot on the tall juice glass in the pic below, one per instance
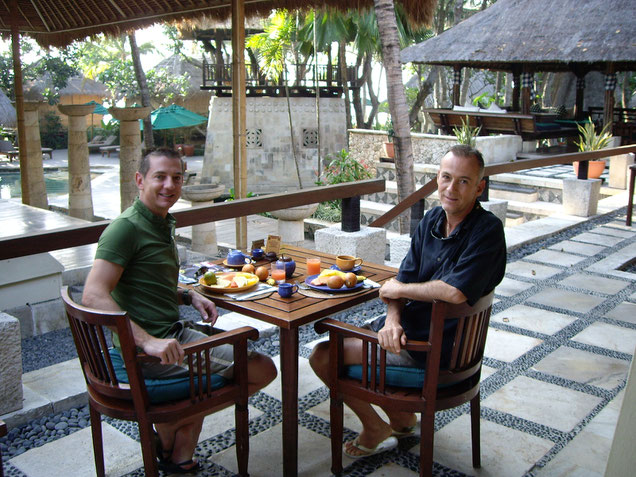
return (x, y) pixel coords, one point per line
(313, 266)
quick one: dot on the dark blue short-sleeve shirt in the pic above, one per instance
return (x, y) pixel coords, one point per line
(472, 259)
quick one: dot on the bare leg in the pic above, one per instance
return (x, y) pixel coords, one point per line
(374, 428)
(181, 438)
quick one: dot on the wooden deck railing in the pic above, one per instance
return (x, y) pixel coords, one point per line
(46, 241)
(501, 168)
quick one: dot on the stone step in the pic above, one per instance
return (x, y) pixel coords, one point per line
(505, 191)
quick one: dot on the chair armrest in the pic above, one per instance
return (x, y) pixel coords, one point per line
(225, 337)
(3, 431)
(351, 331)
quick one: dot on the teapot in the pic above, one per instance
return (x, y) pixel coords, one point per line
(236, 257)
(289, 265)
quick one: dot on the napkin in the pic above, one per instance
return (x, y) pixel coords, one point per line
(371, 284)
(261, 289)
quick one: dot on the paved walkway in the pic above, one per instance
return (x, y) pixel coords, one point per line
(562, 335)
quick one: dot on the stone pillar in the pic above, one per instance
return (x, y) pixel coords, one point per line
(619, 170)
(33, 188)
(80, 200)
(204, 236)
(10, 365)
(580, 197)
(129, 150)
(369, 243)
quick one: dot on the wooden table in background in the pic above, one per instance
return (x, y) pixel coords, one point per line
(291, 313)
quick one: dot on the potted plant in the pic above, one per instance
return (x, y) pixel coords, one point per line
(389, 147)
(467, 133)
(591, 141)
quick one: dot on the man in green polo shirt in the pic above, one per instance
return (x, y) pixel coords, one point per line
(136, 269)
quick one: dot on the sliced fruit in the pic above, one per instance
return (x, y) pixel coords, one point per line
(361, 278)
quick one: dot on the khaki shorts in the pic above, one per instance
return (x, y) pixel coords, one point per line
(403, 358)
(221, 357)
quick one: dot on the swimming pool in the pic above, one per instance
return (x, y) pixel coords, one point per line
(56, 183)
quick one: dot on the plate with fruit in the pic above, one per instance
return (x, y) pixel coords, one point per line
(331, 281)
(227, 282)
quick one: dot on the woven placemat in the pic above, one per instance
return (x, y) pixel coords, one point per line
(320, 294)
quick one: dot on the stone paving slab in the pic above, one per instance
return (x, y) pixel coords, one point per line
(534, 271)
(594, 283)
(554, 257)
(597, 239)
(506, 346)
(566, 300)
(510, 287)
(581, 248)
(533, 319)
(608, 336)
(623, 312)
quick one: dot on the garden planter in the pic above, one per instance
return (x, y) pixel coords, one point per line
(388, 149)
(594, 171)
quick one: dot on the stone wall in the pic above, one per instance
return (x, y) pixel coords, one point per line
(270, 160)
(366, 146)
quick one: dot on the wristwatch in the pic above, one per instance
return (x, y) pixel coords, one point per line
(186, 298)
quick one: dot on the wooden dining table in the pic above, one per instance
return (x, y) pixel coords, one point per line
(291, 313)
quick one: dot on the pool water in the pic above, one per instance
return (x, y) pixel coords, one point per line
(56, 183)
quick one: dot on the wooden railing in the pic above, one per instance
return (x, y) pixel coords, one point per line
(501, 168)
(46, 241)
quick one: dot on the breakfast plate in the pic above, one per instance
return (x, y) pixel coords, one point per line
(325, 288)
(230, 282)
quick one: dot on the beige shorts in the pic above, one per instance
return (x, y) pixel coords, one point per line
(403, 358)
(221, 357)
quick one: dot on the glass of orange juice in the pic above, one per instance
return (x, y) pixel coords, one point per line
(278, 272)
(313, 266)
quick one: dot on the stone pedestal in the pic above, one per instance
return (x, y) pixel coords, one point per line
(580, 197)
(10, 365)
(619, 170)
(32, 171)
(291, 223)
(80, 200)
(129, 150)
(369, 243)
(203, 235)
(497, 207)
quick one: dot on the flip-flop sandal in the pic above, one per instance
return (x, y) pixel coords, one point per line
(405, 432)
(172, 468)
(387, 444)
(162, 454)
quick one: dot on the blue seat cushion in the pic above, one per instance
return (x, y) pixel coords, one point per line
(399, 376)
(547, 126)
(164, 390)
(395, 375)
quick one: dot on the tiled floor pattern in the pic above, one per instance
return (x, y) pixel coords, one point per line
(558, 352)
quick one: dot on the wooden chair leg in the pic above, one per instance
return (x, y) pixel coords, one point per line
(98, 445)
(3, 432)
(242, 438)
(336, 422)
(147, 438)
(427, 430)
(475, 431)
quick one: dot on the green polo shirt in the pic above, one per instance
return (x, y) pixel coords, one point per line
(143, 243)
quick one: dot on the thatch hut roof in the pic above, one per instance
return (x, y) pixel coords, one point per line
(76, 85)
(177, 65)
(543, 35)
(8, 116)
(60, 22)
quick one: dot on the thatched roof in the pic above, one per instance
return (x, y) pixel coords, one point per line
(8, 118)
(33, 90)
(60, 22)
(177, 65)
(542, 34)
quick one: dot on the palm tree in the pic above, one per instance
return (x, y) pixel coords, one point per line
(387, 26)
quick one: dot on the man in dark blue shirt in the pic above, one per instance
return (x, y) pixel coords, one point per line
(457, 255)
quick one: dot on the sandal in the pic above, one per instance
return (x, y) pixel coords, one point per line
(172, 468)
(387, 444)
(405, 432)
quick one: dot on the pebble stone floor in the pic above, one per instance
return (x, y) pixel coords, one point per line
(560, 343)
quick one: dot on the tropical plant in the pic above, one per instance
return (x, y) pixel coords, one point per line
(52, 133)
(466, 134)
(590, 140)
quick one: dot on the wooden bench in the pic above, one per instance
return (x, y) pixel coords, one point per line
(14, 153)
(524, 125)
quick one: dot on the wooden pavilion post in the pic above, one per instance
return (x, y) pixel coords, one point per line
(527, 80)
(580, 95)
(457, 82)
(238, 115)
(610, 85)
(516, 90)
